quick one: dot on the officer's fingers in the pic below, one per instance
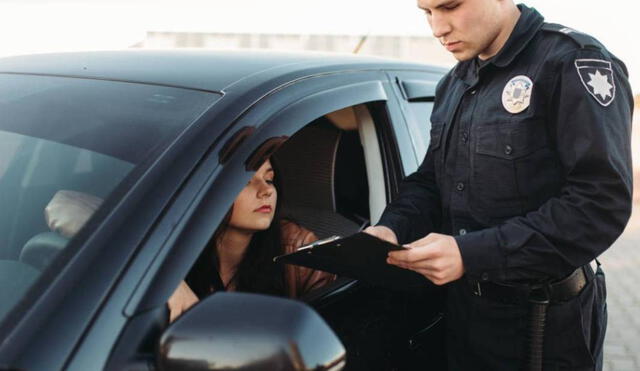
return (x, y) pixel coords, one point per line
(430, 238)
(412, 255)
(404, 263)
(399, 264)
(419, 267)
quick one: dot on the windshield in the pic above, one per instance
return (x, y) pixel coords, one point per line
(72, 139)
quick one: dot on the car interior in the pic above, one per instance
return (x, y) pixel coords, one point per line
(28, 183)
(324, 178)
(96, 149)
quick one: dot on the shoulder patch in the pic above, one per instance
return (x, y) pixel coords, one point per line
(582, 39)
(596, 76)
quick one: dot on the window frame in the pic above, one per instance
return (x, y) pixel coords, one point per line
(411, 87)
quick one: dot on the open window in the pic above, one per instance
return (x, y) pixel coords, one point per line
(332, 173)
(329, 181)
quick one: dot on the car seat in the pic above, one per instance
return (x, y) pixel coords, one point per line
(307, 165)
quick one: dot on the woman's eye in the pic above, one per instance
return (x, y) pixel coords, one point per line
(269, 181)
(451, 7)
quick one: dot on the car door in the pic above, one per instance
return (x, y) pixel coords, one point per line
(380, 328)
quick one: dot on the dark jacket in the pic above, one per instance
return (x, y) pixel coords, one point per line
(529, 195)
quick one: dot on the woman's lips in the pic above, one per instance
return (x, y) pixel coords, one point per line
(263, 209)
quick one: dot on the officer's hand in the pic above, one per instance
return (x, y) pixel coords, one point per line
(383, 233)
(435, 256)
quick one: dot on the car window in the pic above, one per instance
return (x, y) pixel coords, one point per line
(65, 145)
(323, 178)
(420, 126)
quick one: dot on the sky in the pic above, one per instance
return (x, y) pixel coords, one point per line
(34, 26)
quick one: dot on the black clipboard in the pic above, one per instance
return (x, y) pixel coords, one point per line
(360, 256)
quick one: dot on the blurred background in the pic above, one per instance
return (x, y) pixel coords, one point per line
(387, 28)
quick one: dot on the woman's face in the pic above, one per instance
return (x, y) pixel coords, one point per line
(255, 206)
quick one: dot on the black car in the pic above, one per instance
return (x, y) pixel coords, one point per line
(166, 139)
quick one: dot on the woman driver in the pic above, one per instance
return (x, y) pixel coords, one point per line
(240, 254)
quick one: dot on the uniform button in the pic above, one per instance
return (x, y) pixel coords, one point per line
(508, 149)
(485, 276)
(473, 92)
(465, 136)
(460, 186)
(463, 232)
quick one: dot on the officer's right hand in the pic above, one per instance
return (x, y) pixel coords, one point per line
(383, 233)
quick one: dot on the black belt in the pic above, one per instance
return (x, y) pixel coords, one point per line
(558, 291)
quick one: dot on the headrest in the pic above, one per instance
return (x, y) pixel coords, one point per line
(40, 250)
(68, 211)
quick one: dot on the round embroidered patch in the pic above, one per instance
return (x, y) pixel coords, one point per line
(516, 95)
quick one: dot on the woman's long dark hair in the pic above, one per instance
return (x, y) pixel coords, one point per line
(256, 272)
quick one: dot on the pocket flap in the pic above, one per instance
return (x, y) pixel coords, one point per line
(510, 141)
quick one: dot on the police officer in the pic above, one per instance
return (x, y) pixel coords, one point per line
(526, 180)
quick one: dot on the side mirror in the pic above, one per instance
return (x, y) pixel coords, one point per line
(240, 331)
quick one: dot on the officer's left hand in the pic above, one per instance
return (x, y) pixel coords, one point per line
(435, 256)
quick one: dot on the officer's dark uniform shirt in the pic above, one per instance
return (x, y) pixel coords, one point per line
(529, 164)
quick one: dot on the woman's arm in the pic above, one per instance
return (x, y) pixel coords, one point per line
(301, 280)
(181, 300)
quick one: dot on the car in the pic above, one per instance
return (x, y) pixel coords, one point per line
(165, 141)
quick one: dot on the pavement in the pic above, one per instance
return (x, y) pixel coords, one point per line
(621, 263)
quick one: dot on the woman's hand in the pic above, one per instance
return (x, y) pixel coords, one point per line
(181, 300)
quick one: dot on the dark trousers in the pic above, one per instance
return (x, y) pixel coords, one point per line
(482, 334)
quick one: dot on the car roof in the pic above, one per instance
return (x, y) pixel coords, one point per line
(196, 69)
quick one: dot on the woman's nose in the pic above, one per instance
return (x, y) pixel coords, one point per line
(265, 190)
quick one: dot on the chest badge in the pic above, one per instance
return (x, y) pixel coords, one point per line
(516, 95)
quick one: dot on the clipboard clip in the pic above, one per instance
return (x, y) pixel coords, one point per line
(319, 243)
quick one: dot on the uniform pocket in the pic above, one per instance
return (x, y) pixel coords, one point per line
(506, 159)
(510, 141)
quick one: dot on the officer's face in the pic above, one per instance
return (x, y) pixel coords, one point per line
(466, 28)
